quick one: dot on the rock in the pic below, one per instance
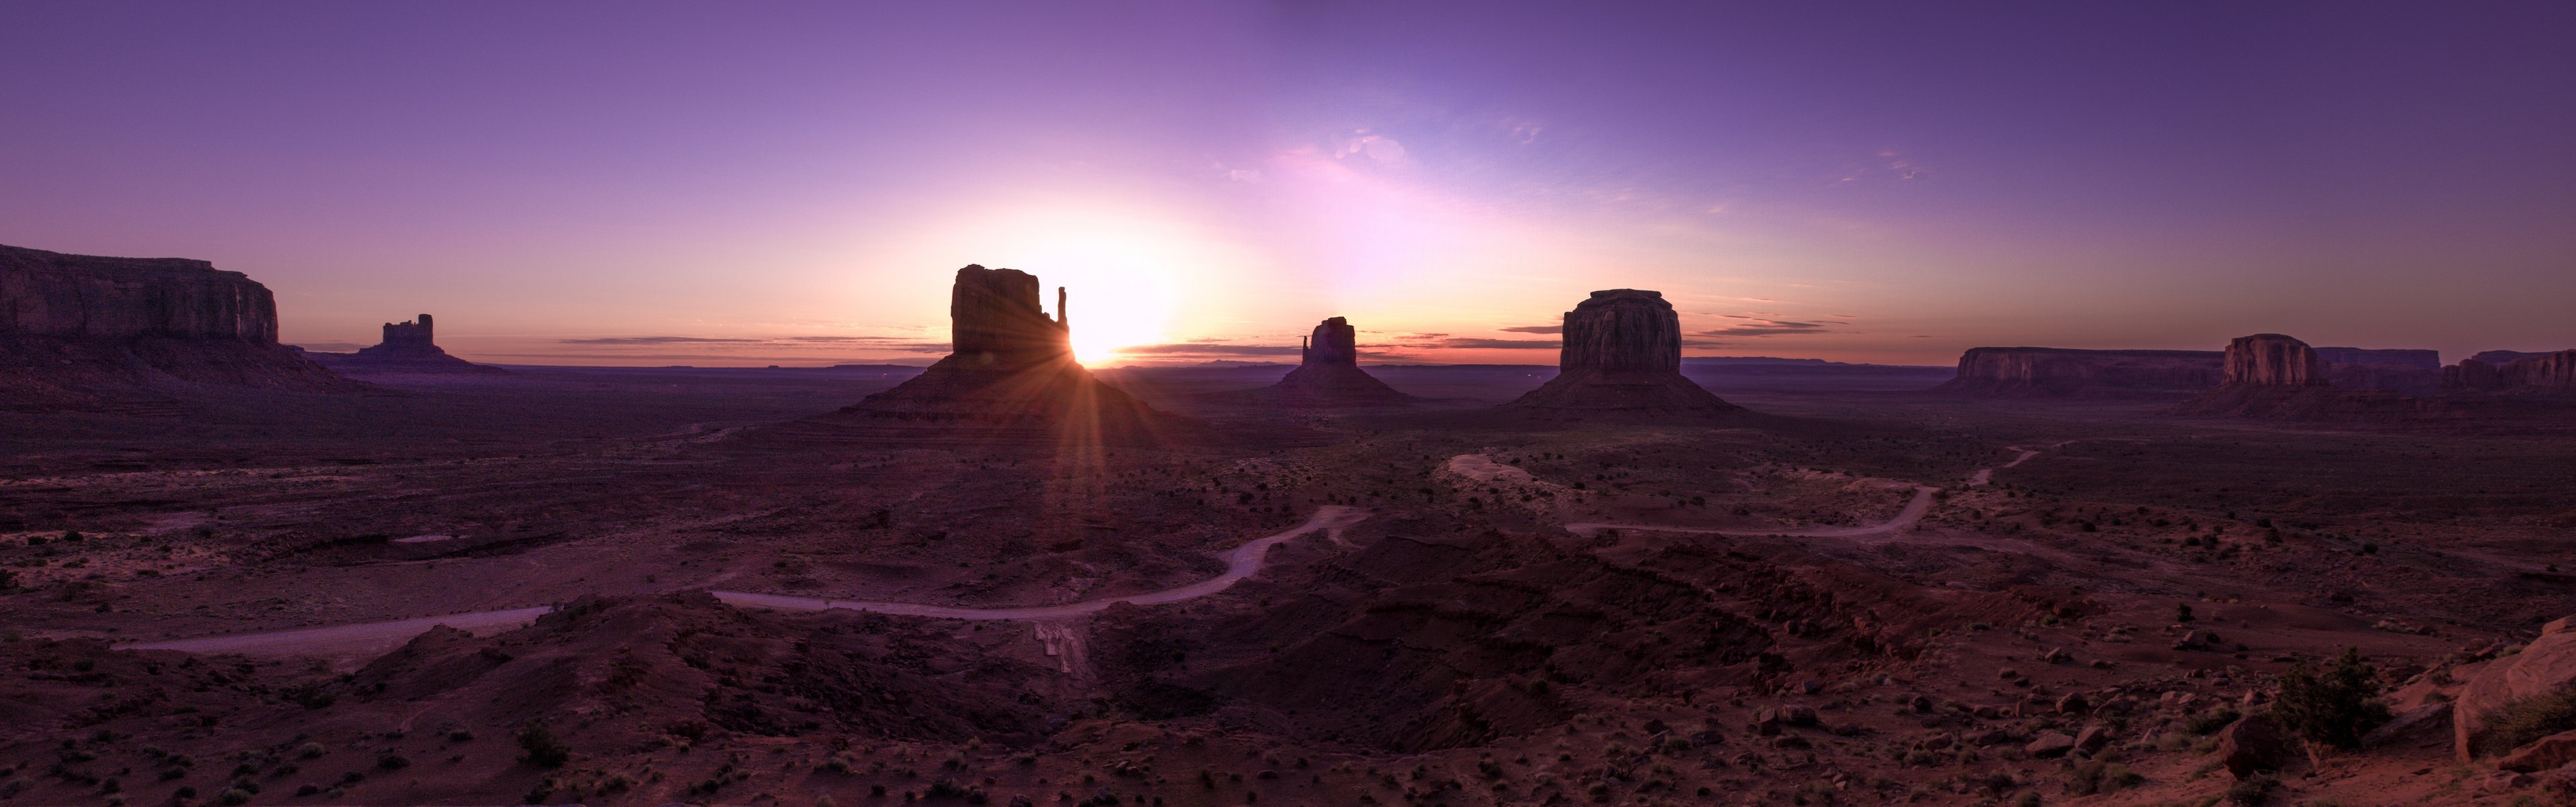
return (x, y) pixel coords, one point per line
(2050, 745)
(2092, 739)
(2253, 744)
(1012, 366)
(2048, 371)
(2056, 655)
(2426, 725)
(2543, 754)
(2547, 666)
(1329, 373)
(408, 347)
(1623, 354)
(2197, 638)
(2072, 703)
(79, 330)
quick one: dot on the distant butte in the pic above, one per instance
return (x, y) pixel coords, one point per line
(1622, 355)
(2275, 377)
(1010, 366)
(90, 331)
(2050, 371)
(408, 347)
(1329, 374)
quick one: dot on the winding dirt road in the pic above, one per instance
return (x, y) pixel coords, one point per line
(1243, 561)
(376, 638)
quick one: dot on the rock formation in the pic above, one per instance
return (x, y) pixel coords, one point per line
(2529, 372)
(2399, 370)
(2049, 371)
(2423, 359)
(2502, 357)
(1330, 374)
(2273, 360)
(1010, 366)
(1622, 354)
(81, 330)
(408, 347)
(2275, 377)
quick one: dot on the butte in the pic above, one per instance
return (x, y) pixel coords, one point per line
(1622, 359)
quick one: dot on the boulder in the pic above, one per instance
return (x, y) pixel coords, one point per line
(2545, 667)
(2049, 745)
(1623, 354)
(2426, 725)
(2254, 744)
(2092, 739)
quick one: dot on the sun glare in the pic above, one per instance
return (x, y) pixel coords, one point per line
(1123, 275)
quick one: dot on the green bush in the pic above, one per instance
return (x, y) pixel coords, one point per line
(2251, 790)
(2097, 777)
(2336, 707)
(543, 748)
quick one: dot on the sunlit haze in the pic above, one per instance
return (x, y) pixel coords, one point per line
(729, 184)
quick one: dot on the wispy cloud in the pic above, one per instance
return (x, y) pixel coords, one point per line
(866, 342)
(1533, 329)
(1501, 344)
(1208, 348)
(1767, 327)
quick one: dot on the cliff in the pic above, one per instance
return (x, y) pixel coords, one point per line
(83, 330)
(2050, 371)
(1011, 371)
(1330, 374)
(1623, 355)
(2273, 360)
(2420, 359)
(2274, 377)
(408, 347)
(2529, 372)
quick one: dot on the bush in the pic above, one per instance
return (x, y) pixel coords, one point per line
(2098, 777)
(543, 748)
(2251, 790)
(2519, 722)
(2334, 708)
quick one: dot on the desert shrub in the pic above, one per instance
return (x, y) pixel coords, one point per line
(393, 762)
(2251, 790)
(2211, 721)
(2098, 777)
(2519, 722)
(233, 797)
(2336, 707)
(542, 748)
(311, 751)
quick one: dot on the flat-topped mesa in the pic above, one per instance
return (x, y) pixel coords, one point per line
(1010, 363)
(409, 335)
(2525, 372)
(2410, 357)
(2273, 360)
(1622, 353)
(79, 330)
(1330, 374)
(2050, 371)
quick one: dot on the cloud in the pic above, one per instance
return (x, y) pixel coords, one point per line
(1766, 327)
(653, 340)
(1502, 344)
(1206, 348)
(865, 342)
(1533, 329)
(329, 347)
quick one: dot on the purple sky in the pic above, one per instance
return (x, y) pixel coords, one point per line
(772, 183)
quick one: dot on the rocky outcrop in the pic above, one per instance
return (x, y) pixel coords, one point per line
(2544, 669)
(2532, 372)
(1011, 368)
(408, 347)
(1330, 374)
(2399, 370)
(2273, 360)
(82, 330)
(2049, 371)
(1622, 354)
(2500, 357)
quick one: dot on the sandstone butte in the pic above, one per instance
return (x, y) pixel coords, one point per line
(1009, 364)
(408, 347)
(83, 329)
(1329, 372)
(1622, 354)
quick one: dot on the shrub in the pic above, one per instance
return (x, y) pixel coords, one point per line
(2334, 708)
(2098, 777)
(2251, 790)
(543, 749)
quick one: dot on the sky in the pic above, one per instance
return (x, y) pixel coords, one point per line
(795, 184)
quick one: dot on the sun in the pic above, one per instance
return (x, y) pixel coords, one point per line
(1122, 275)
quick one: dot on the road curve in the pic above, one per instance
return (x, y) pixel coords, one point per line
(1244, 561)
(375, 638)
(1913, 513)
